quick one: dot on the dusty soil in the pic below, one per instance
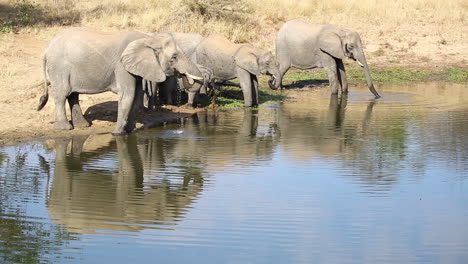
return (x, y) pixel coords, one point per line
(22, 83)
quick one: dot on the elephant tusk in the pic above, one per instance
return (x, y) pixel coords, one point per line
(194, 77)
(360, 64)
(274, 77)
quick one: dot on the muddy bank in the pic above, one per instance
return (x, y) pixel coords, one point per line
(103, 117)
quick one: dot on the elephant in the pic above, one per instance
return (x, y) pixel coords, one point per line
(169, 89)
(84, 61)
(303, 45)
(229, 60)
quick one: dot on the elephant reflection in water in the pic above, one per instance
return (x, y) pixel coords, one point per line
(323, 130)
(341, 130)
(87, 197)
(235, 136)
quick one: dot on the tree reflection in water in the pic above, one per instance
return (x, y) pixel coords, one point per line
(26, 238)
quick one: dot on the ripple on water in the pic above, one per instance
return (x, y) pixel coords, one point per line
(325, 178)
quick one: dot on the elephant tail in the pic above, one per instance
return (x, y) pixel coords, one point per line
(45, 96)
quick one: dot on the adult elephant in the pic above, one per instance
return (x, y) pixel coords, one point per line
(303, 45)
(83, 61)
(229, 60)
(169, 89)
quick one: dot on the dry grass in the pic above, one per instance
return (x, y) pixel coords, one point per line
(244, 20)
(419, 28)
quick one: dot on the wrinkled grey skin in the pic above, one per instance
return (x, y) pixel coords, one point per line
(228, 60)
(168, 90)
(83, 61)
(303, 45)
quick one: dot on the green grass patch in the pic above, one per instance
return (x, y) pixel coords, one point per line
(381, 75)
(229, 97)
(456, 74)
(303, 75)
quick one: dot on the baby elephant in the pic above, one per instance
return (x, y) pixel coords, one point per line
(228, 60)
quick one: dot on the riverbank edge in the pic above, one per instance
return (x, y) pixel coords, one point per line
(230, 98)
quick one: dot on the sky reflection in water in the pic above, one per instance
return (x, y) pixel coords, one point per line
(319, 179)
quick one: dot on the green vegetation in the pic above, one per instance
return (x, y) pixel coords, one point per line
(382, 75)
(456, 74)
(229, 97)
(20, 14)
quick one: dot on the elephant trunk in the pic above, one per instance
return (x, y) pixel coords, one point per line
(274, 83)
(194, 87)
(191, 75)
(361, 59)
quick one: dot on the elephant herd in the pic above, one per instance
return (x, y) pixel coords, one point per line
(134, 64)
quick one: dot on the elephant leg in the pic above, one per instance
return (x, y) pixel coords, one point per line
(282, 70)
(255, 100)
(342, 76)
(191, 98)
(61, 121)
(211, 89)
(146, 95)
(332, 72)
(246, 86)
(153, 99)
(212, 92)
(77, 117)
(135, 108)
(126, 87)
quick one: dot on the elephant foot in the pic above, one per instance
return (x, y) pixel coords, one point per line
(81, 123)
(63, 125)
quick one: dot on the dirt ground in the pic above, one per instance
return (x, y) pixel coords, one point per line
(22, 82)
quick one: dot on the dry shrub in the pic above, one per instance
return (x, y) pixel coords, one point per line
(17, 14)
(239, 20)
(231, 18)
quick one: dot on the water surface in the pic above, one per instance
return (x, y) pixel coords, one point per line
(316, 179)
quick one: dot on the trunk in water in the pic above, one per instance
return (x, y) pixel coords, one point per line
(362, 60)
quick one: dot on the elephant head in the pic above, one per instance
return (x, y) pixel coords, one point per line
(257, 61)
(155, 57)
(341, 43)
(207, 75)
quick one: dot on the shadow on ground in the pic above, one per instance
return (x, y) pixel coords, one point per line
(306, 83)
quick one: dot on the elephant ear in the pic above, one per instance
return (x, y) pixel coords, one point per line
(247, 60)
(140, 59)
(330, 43)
